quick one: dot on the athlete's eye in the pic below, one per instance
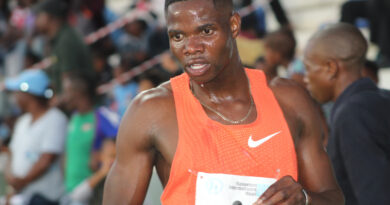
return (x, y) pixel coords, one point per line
(177, 37)
(208, 31)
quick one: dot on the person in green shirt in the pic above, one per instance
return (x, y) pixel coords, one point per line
(67, 49)
(88, 127)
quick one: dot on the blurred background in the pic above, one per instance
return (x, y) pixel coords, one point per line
(118, 48)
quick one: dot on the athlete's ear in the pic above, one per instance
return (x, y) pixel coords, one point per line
(235, 24)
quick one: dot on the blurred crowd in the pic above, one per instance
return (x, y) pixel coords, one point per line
(59, 133)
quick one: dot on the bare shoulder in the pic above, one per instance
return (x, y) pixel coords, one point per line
(300, 110)
(155, 97)
(291, 95)
(149, 114)
(150, 117)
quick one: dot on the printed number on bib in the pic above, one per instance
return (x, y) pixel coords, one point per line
(229, 189)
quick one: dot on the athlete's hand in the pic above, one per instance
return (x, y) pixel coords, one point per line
(285, 191)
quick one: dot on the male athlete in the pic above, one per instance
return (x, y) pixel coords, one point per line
(220, 121)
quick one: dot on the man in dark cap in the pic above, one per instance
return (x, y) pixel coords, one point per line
(67, 49)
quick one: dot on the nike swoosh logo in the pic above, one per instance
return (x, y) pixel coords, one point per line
(254, 144)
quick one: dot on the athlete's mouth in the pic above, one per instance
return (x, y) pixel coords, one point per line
(197, 66)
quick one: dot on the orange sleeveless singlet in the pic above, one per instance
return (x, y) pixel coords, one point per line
(205, 145)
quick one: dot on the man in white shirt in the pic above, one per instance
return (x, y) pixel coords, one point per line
(34, 170)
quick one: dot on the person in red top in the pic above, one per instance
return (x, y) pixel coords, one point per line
(219, 133)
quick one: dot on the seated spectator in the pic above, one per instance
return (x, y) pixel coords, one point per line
(89, 126)
(37, 142)
(280, 51)
(360, 119)
(90, 191)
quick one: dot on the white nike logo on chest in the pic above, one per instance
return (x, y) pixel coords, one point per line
(254, 144)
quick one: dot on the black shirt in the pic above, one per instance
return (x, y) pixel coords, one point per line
(359, 143)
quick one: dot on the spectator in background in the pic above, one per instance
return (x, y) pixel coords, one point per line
(87, 15)
(158, 41)
(280, 51)
(22, 18)
(90, 191)
(249, 45)
(276, 8)
(124, 90)
(360, 120)
(88, 127)
(67, 49)
(133, 44)
(378, 16)
(168, 68)
(102, 68)
(37, 142)
(4, 16)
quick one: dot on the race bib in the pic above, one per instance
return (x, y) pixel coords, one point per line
(229, 189)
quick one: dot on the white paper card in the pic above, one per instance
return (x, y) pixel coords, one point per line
(228, 189)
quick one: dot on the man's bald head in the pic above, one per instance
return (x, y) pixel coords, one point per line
(222, 5)
(341, 42)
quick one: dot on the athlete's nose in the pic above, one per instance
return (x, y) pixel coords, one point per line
(193, 45)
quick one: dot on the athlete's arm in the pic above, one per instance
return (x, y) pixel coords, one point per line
(315, 173)
(130, 174)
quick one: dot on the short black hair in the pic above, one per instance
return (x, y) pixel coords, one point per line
(217, 3)
(341, 41)
(283, 42)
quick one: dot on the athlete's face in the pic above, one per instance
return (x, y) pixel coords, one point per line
(201, 38)
(317, 77)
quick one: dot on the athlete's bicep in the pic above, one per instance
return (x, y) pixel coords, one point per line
(129, 177)
(314, 167)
